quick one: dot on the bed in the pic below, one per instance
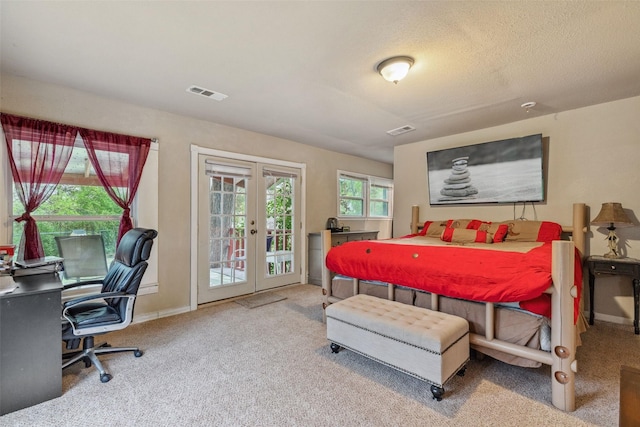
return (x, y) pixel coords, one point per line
(516, 282)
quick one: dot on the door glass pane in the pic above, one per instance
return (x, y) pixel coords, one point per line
(227, 238)
(279, 216)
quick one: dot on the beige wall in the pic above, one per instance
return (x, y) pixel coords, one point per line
(176, 134)
(594, 157)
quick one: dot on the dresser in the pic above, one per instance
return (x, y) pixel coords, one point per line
(315, 249)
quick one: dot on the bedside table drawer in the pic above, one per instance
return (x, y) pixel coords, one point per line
(338, 240)
(611, 268)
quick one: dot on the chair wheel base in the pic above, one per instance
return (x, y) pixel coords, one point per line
(105, 378)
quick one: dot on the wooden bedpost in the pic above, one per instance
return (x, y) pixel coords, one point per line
(325, 245)
(579, 226)
(563, 335)
(415, 218)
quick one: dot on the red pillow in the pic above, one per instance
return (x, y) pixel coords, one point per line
(500, 232)
(464, 235)
(432, 228)
(476, 224)
(497, 230)
(533, 231)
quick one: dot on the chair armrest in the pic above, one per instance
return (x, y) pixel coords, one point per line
(83, 283)
(105, 295)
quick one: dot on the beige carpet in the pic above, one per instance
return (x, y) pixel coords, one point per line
(225, 365)
(258, 300)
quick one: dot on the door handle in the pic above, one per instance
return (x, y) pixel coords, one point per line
(254, 231)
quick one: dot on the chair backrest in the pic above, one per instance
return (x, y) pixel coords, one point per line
(129, 265)
(84, 256)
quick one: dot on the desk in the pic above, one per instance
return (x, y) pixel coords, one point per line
(30, 342)
(617, 267)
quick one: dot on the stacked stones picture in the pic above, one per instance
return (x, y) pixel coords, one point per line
(505, 171)
(458, 185)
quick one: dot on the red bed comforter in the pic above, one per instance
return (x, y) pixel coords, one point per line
(456, 271)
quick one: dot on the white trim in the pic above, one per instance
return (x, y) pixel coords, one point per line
(193, 281)
(159, 314)
(196, 150)
(246, 157)
(611, 319)
(146, 214)
(151, 288)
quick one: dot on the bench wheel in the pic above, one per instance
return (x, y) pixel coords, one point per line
(437, 392)
(335, 347)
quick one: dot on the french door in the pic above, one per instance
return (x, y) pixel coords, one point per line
(248, 227)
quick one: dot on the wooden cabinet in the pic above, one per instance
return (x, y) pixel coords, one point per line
(315, 249)
(30, 342)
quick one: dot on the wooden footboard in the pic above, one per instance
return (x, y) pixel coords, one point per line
(562, 357)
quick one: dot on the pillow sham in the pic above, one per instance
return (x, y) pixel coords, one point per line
(464, 235)
(532, 231)
(497, 230)
(476, 224)
(432, 228)
(459, 223)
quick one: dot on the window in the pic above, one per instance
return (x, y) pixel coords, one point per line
(79, 205)
(363, 196)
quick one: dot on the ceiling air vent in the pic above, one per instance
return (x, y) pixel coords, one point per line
(400, 130)
(206, 92)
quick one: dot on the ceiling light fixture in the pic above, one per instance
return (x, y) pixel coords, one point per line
(528, 106)
(395, 69)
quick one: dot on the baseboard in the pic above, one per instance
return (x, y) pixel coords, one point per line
(160, 314)
(166, 313)
(611, 319)
(148, 289)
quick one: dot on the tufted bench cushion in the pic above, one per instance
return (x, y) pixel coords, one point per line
(427, 344)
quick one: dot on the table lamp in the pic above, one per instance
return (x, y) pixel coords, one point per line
(610, 215)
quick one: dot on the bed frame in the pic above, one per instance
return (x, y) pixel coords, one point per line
(562, 357)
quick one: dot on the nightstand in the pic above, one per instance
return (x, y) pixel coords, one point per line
(615, 267)
(316, 260)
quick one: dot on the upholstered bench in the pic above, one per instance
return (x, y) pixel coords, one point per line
(426, 344)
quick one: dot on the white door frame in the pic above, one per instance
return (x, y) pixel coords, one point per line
(195, 152)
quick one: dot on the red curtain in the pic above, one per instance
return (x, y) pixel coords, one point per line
(38, 155)
(118, 161)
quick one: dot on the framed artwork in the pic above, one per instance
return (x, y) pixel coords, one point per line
(505, 171)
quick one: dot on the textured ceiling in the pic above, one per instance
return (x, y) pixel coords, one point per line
(305, 71)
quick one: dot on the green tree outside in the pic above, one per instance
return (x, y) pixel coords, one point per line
(73, 200)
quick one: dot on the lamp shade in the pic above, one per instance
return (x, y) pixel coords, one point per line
(396, 68)
(611, 213)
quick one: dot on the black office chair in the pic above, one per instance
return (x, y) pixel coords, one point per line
(84, 256)
(111, 309)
